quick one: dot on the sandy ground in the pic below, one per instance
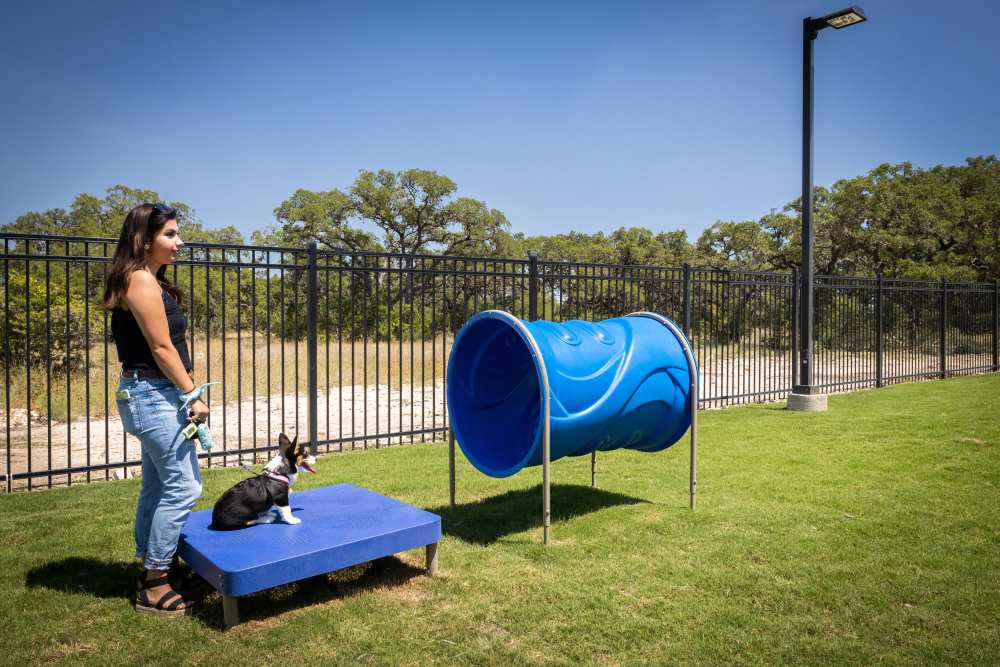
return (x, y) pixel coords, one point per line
(359, 413)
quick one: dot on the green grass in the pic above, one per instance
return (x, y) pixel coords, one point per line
(866, 534)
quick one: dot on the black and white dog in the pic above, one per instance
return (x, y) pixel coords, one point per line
(250, 502)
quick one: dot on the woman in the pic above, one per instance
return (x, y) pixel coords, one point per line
(148, 326)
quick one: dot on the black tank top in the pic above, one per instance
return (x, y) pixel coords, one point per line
(133, 350)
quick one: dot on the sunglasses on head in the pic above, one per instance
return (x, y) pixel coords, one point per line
(161, 208)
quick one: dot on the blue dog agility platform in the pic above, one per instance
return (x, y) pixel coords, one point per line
(342, 525)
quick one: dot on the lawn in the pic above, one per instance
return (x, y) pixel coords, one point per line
(865, 534)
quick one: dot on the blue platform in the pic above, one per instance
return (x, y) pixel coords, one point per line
(342, 525)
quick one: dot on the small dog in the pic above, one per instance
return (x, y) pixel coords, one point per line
(250, 502)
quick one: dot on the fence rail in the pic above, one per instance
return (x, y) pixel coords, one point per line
(351, 348)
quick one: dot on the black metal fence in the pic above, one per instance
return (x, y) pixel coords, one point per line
(353, 347)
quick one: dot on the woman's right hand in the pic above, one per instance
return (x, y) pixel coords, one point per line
(198, 411)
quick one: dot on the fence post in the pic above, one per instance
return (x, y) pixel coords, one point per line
(532, 286)
(996, 324)
(879, 345)
(6, 363)
(687, 300)
(944, 327)
(312, 297)
(795, 326)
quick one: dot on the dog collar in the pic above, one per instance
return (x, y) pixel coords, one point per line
(278, 477)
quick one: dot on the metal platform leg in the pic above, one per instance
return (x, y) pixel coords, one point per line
(432, 559)
(593, 470)
(230, 612)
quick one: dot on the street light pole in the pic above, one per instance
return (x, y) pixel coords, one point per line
(805, 395)
(805, 384)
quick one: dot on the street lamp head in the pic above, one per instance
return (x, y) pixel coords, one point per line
(842, 18)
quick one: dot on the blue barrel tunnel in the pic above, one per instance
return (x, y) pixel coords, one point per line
(620, 383)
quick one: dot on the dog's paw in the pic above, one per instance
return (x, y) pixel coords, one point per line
(293, 520)
(266, 517)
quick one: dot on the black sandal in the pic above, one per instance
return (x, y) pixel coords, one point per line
(168, 605)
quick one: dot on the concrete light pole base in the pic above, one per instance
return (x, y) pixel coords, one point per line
(807, 402)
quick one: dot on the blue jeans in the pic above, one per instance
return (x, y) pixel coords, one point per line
(171, 481)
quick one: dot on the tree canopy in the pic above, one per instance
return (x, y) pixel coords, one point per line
(415, 210)
(90, 215)
(899, 220)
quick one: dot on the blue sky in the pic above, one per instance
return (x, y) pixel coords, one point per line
(579, 116)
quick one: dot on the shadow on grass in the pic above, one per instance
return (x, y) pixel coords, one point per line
(108, 579)
(267, 606)
(486, 521)
(103, 579)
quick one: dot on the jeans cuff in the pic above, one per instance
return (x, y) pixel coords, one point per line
(157, 565)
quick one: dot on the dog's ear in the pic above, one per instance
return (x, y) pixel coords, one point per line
(290, 449)
(287, 447)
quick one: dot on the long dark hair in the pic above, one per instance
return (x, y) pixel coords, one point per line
(141, 226)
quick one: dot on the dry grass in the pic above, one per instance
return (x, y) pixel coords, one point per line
(248, 367)
(253, 367)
